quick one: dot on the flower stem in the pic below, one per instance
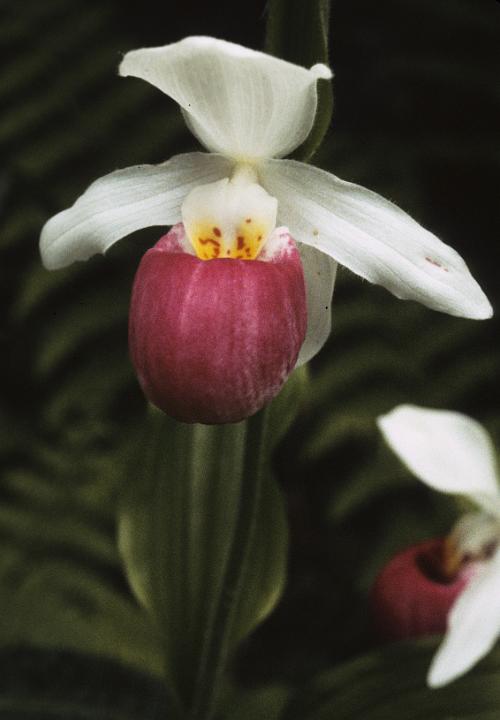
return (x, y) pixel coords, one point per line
(215, 652)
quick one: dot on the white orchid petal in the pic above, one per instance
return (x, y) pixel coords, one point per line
(319, 274)
(474, 534)
(373, 238)
(473, 626)
(124, 201)
(240, 102)
(449, 451)
(490, 504)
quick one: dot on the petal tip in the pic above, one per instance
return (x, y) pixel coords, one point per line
(321, 71)
(49, 260)
(442, 672)
(384, 422)
(436, 680)
(485, 311)
(123, 69)
(476, 305)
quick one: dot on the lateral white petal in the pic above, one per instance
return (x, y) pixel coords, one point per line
(449, 451)
(473, 626)
(373, 238)
(124, 201)
(240, 102)
(319, 274)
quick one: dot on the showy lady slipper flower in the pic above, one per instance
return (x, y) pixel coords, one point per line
(413, 593)
(452, 453)
(249, 110)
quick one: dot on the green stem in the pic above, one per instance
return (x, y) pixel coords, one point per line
(214, 654)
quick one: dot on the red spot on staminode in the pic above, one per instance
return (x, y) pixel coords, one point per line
(241, 242)
(248, 220)
(435, 263)
(228, 252)
(247, 252)
(209, 240)
(217, 232)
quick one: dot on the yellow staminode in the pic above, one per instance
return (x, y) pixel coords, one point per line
(231, 218)
(244, 242)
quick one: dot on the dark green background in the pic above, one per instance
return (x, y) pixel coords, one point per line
(416, 118)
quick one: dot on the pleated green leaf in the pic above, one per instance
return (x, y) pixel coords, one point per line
(204, 548)
(254, 704)
(285, 407)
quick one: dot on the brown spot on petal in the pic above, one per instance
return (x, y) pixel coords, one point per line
(435, 263)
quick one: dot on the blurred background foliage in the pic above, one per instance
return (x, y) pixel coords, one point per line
(416, 109)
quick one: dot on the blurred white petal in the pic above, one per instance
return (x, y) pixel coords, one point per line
(473, 626)
(449, 451)
(373, 238)
(319, 274)
(240, 102)
(124, 201)
(474, 534)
